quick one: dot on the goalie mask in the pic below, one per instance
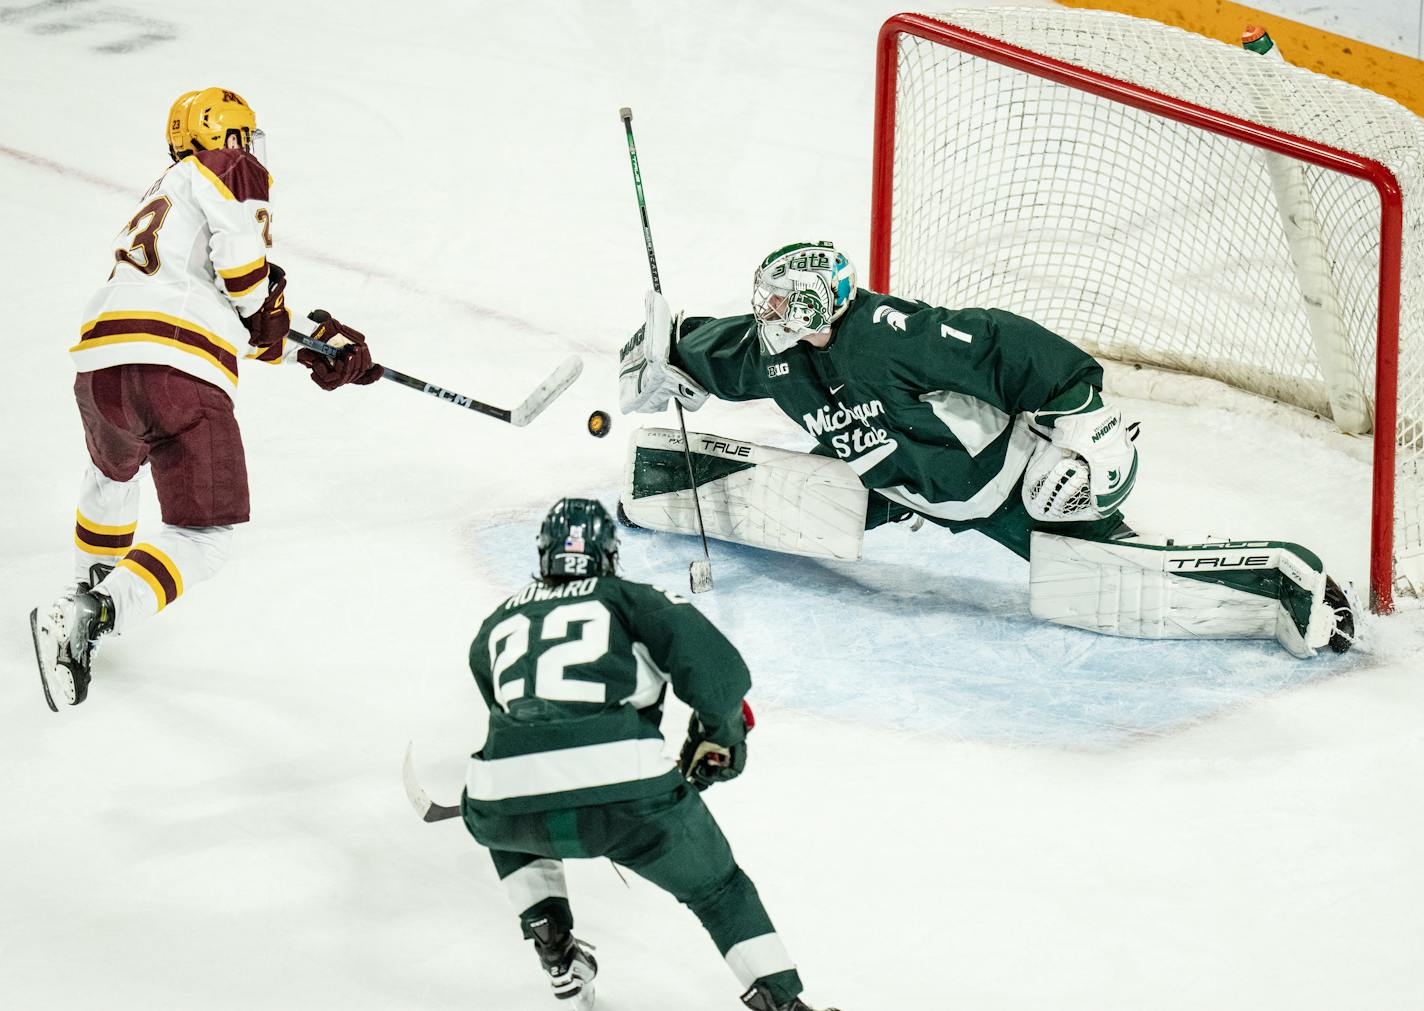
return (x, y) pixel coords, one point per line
(577, 539)
(798, 291)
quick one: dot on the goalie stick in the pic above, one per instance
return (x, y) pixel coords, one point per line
(419, 799)
(699, 573)
(544, 394)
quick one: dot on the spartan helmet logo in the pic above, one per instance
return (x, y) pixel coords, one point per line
(806, 308)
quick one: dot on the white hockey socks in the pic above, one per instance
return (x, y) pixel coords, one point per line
(1230, 590)
(155, 572)
(537, 881)
(797, 503)
(105, 521)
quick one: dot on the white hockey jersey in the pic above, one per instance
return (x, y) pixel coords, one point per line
(190, 263)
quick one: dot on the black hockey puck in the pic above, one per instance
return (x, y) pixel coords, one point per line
(599, 423)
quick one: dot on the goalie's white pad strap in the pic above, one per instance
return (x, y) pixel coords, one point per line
(1231, 590)
(777, 499)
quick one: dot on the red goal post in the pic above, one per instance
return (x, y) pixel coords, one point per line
(891, 67)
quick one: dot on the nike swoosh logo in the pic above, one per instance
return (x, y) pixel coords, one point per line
(837, 389)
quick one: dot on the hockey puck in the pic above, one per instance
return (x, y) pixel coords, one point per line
(599, 423)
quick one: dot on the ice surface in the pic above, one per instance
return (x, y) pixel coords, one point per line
(931, 633)
(1066, 822)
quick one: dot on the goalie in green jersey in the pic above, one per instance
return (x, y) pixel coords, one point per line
(574, 668)
(972, 419)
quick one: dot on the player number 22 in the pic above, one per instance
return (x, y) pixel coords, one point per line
(509, 642)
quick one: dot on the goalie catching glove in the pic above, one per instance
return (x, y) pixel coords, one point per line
(646, 382)
(715, 756)
(1087, 468)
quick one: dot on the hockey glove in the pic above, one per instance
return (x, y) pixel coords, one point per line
(714, 757)
(1090, 465)
(352, 365)
(1105, 441)
(268, 326)
(646, 381)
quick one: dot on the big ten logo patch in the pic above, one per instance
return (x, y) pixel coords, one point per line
(778, 369)
(100, 28)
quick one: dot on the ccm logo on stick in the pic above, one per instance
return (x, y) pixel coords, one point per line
(445, 394)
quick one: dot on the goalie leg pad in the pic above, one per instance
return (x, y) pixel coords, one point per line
(1227, 590)
(778, 499)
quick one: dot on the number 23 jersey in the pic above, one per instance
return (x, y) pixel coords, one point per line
(574, 674)
(188, 265)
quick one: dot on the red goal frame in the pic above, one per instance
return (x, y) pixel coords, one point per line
(1391, 220)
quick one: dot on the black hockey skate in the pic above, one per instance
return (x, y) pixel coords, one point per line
(64, 643)
(98, 572)
(1343, 635)
(568, 961)
(759, 1000)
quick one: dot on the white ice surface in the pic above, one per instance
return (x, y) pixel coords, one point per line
(947, 805)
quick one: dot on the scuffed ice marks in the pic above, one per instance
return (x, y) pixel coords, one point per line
(100, 27)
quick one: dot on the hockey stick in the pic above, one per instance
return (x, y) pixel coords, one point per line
(699, 573)
(544, 394)
(419, 799)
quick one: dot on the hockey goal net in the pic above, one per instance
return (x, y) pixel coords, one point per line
(1165, 199)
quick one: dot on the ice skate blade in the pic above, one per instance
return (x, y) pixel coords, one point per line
(47, 659)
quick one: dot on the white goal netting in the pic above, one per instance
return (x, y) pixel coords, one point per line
(1148, 240)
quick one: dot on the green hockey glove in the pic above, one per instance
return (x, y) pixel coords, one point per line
(710, 757)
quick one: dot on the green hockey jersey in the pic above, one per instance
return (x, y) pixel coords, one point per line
(931, 407)
(574, 674)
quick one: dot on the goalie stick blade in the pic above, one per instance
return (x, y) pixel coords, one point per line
(547, 392)
(419, 799)
(699, 575)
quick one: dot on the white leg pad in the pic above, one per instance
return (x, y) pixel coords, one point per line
(1228, 590)
(796, 503)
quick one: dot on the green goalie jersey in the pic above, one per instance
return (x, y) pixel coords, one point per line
(574, 674)
(931, 407)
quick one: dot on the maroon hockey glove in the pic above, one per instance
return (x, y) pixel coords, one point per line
(352, 365)
(268, 326)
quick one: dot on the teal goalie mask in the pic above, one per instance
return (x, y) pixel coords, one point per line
(798, 291)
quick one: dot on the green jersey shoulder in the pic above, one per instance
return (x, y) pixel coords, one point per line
(922, 402)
